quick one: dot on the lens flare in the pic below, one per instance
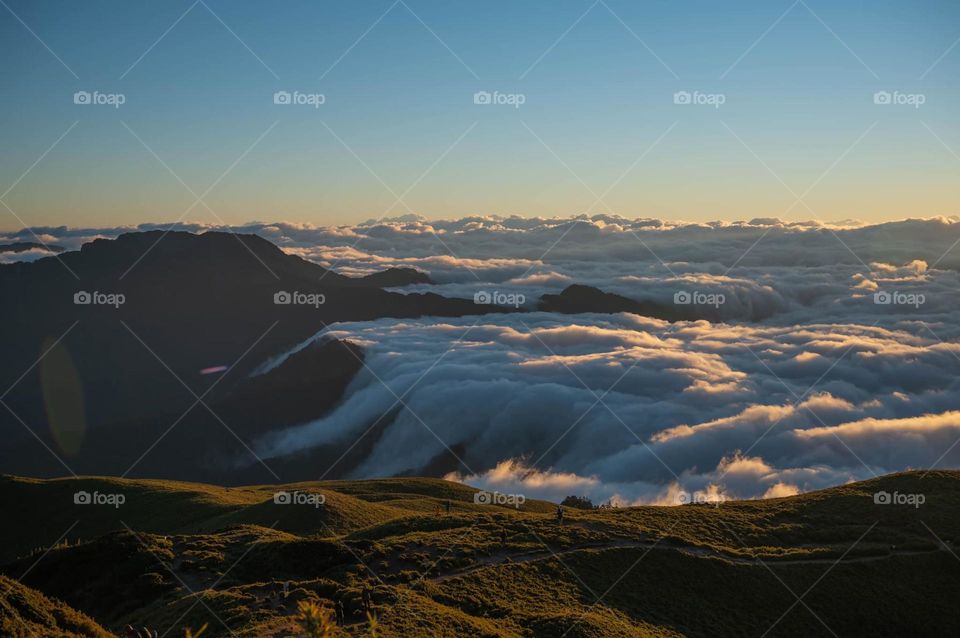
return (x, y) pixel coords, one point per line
(62, 397)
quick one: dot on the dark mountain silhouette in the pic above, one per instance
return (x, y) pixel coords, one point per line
(578, 298)
(394, 277)
(24, 246)
(133, 330)
(308, 382)
(216, 442)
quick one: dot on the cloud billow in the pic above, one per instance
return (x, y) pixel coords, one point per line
(691, 405)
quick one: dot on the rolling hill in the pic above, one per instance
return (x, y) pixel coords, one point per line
(25, 612)
(174, 555)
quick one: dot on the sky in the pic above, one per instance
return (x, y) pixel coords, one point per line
(783, 119)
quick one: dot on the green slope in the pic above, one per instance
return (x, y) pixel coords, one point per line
(178, 555)
(25, 612)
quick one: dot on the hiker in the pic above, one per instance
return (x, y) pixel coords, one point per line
(366, 598)
(560, 514)
(273, 595)
(503, 537)
(338, 610)
(447, 505)
(286, 588)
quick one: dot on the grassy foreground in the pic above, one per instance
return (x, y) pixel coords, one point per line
(174, 556)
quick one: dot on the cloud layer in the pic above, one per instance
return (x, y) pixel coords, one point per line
(635, 409)
(766, 269)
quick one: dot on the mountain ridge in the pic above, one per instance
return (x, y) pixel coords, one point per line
(139, 327)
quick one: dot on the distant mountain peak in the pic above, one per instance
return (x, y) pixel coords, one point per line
(24, 246)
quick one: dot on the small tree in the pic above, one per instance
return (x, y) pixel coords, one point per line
(579, 502)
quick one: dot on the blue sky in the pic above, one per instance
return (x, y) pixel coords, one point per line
(597, 79)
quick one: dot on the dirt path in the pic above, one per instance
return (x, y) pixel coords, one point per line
(528, 557)
(194, 582)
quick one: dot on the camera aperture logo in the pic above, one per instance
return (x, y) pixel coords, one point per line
(96, 98)
(298, 498)
(96, 498)
(696, 298)
(486, 98)
(885, 298)
(696, 98)
(295, 298)
(496, 498)
(497, 298)
(896, 98)
(296, 98)
(97, 298)
(886, 498)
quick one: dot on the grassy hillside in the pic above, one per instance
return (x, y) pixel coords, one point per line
(25, 612)
(173, 507)
(177, 555)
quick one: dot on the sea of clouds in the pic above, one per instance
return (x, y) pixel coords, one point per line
(634, 409)
(834, 355)
(765, 268)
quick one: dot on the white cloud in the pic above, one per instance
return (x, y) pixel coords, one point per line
(623, 406)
